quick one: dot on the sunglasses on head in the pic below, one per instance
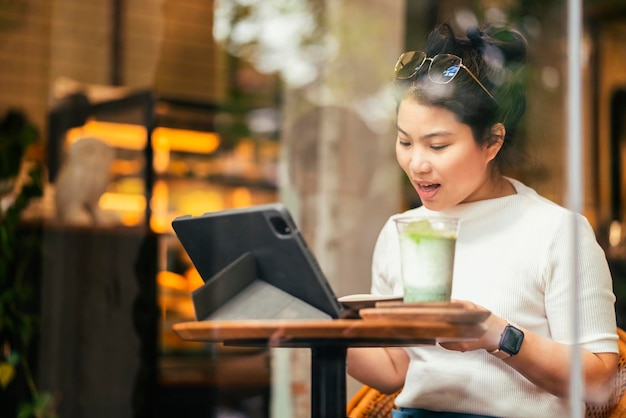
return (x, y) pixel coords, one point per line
(441, 70)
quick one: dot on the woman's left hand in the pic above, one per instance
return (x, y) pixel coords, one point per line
(490, 340)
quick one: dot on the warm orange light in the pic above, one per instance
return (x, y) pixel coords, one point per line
(119, 135)
(130, 207)
(128, 136)
(122, 202)
(196, 202)
(160, 220)
(185, 140)
(241, 197)
(126, 167)
(131, 219)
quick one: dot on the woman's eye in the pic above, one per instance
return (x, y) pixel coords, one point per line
(404, 143)
(437, 147)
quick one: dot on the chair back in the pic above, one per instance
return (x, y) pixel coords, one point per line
(370, 403)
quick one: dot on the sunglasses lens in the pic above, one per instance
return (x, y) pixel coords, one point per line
(409, 64)
(444, 67)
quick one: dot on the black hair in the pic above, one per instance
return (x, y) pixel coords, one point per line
(495, 55)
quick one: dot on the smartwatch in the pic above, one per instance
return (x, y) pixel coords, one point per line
(510, 342)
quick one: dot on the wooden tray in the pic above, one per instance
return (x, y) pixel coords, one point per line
(425, 311)
(401, 304)
(362, 301)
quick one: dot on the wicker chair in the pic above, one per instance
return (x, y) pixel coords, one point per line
(370, 403)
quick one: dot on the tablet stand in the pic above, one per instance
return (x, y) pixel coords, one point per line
(238, 293)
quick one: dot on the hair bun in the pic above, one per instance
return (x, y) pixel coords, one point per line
(511, 43)
(476, 37)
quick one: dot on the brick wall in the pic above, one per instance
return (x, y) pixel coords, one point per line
(24, 56)
(165, 44)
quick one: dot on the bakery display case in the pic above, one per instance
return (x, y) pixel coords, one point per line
(175, 157)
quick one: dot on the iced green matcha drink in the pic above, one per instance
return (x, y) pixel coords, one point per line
(427, 257)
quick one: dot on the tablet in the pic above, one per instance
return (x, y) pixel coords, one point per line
(256, 254)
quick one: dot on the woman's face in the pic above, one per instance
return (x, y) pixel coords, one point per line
(441, 158)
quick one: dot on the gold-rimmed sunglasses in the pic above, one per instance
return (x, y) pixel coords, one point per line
(441, 70)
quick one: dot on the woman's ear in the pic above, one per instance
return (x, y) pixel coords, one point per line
(498, 132)
(496, 139)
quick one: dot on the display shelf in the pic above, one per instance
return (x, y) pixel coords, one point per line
(170, 160)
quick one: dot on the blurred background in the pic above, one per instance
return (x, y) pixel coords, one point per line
(118, 115)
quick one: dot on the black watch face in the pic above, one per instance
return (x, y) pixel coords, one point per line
(511, 340)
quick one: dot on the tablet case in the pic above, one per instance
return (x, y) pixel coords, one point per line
(256, 265)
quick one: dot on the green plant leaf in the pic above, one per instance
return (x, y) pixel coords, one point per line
(17, 325)
(42, 406)
(26, 411)
(13, 358)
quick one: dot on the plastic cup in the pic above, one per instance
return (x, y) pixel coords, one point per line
(427, 246)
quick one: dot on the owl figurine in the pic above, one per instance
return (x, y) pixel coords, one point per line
(83, 178)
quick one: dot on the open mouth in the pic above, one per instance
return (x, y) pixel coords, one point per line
(428, 188)
(427, 191)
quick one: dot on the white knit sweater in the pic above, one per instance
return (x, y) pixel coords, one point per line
(513, 257)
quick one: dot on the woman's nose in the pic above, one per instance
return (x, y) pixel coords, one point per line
(419, 163)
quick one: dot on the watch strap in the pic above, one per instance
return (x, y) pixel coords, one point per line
(499, 354)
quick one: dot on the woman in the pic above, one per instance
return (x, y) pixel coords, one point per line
(459, 105)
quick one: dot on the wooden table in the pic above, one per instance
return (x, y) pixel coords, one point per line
(328, 341)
